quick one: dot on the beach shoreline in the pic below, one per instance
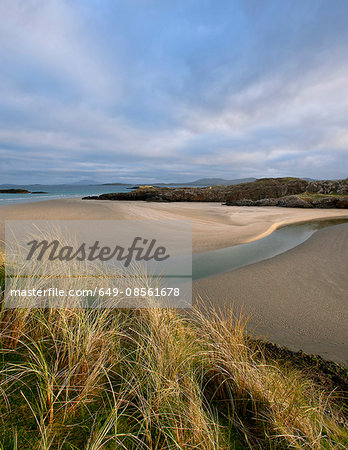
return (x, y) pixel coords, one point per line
(214, 226)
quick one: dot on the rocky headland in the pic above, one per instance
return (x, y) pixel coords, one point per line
(284, 192)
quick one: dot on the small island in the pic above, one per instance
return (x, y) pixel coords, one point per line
(20, 191)
(14, 191)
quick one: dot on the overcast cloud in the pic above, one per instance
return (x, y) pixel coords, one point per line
(170, 90)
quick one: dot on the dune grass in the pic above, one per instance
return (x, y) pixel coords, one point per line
(75, 378)
(151, 379)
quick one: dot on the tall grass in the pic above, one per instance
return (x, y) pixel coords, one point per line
(75, 378)
(151, 379)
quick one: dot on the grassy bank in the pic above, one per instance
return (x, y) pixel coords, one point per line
(158, 379)
(154, 379)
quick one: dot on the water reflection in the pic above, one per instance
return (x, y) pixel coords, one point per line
(222, 260)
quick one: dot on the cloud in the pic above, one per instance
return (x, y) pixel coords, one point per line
(48, 40)
(171, 90)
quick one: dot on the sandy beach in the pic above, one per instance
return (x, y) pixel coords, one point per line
(213, 225)
(297, 299)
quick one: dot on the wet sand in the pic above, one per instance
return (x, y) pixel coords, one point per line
(297, 299)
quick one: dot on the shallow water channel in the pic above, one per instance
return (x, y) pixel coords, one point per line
(217, 261)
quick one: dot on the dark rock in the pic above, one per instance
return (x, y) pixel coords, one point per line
(156, 198)
(14, 191)
(292, 201)
(342, 203)
(267, 202)
(333, 187)
(39, 192)
(325, 202)
(267, 188)
(242, 202)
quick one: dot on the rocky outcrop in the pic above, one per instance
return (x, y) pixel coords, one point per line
(284, 192)
(209, 194)
(330, 202)
(294, 201)
(289, 201)
(267, 188)
(335, 187)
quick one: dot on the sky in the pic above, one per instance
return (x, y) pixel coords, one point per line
(172, 90)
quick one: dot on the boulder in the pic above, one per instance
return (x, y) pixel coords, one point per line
(292, 201)
(156, 198)
(242, 202)
(267, 202)
(342, 203)
(332, 187)
(325, 202)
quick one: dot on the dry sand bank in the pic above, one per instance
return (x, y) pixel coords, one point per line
(214, 226)
(298, 299)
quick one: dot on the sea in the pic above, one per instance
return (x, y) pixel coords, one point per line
(55, 192)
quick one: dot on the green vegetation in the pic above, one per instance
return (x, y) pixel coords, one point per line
(153, 379)
(308, 196)
(278, 180)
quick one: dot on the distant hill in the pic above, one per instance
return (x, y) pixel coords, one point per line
(217, 181)
(85, 183)
(200, 182)
(116, 184)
